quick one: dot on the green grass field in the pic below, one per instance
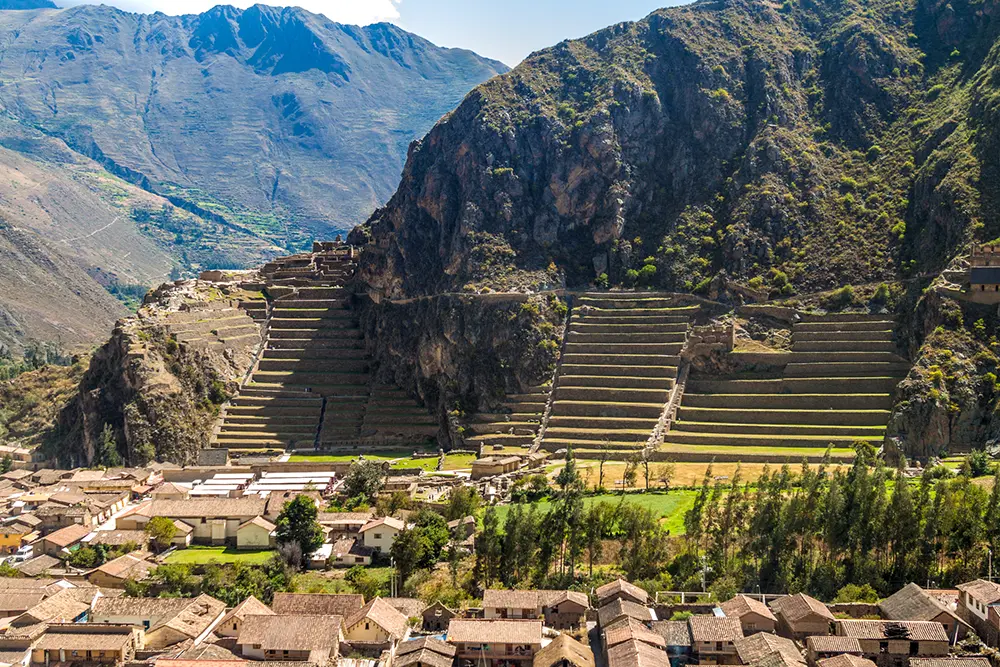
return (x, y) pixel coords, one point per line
(400, 459)
(669, 507)
(335, 458)
(204, 555)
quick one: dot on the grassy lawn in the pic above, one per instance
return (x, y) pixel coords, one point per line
(334, 458)
(203, 555)
(458, 461)
(669, 507)
(400, 459)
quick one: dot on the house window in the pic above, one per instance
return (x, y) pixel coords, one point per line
(378, 536)
(718, 646)
(883, 647)
(914, 648)
(359, 559)
(366, 625)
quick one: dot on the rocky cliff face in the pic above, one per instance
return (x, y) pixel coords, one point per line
(789, 148)
(158, 382)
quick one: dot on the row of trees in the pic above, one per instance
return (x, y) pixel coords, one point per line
(819, 531)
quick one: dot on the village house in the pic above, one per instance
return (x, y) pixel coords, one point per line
(828, 646)
(13, 537)
(349, 551)
(183, 533)
(564, 651)
(631, 630)
(978, 605)
(291, 638)
(713, 639)
(69, 643)
(376, 627)
(165, 621)
(436, 617)
(620, 590)
(845, 660)
(343, 524)
(170, 491)
(893, 643)
(214, 520)
(322, 604)
(70, 605)
(753, 614)
(139, 539)
(636, 654)
(380, 534)
(62, 540)
(912, 603)
(495, 643)
(756, 648)
(232, 623)
(425, 652)
(114, 573)
(257, 533)
(677, 639)
(559, 609)
(800, 616)
(619, 609)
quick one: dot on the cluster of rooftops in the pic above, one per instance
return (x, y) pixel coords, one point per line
(46, 621)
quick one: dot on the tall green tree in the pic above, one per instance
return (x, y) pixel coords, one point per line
(297, 525)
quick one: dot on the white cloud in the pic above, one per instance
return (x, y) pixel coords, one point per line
(359, 12)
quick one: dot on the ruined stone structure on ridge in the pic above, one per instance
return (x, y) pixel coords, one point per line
(312, 387)
(984, 274)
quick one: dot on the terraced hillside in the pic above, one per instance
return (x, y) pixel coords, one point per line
(515, 425)
(618, 367)
(833, 388)
(312, 386)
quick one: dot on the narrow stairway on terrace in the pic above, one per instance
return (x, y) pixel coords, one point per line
(312, 386)
(618, 367)
(834, 387)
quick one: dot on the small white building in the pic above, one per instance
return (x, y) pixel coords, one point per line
(257, 533)
(380, 534)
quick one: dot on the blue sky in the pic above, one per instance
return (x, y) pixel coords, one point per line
(507, 30)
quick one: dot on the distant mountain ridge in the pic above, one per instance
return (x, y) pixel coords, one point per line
(282, 122)
(27, 4)
(255, 131)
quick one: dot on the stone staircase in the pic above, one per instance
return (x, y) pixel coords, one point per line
(515, 425)
(311, 387)
(618, 366)
(833, 388)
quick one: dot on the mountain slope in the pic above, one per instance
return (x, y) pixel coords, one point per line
(282, 122)
(822, 142)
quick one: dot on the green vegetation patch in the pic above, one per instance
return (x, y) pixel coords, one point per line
(201, 555)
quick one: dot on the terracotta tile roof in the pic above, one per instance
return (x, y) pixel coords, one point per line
(674, 633)
(389, 521)
(618, 587)
(426, 644)
(632, 630)
(68, 536)
(29, 520)
(715, 629)
(189, 616)
(914, 630)
(250, 606)
(845, 660)
(796, 607)
(424, 658)
(912, 603)
(232, 508)
(20, 600)
(986, 592)
(833, 644)
(618, 608)
(556, 598)
(63, 607)
(130, 566)
(755, 647)
(260, 522)
(468, 630)
(183, 528)
(777, 659)
(346, 517)
(310, 632)
(182, 662)
(382, 614)
(408, 607)
(37, 565)
(169, 488)
(564, 650)
(21, 583)
(953, 661)
(84, 641)
(741, 605)
(637, 654)
(317, 603)
(510, 599)
(120, 537)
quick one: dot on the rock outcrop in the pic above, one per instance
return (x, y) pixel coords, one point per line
(159, 381)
